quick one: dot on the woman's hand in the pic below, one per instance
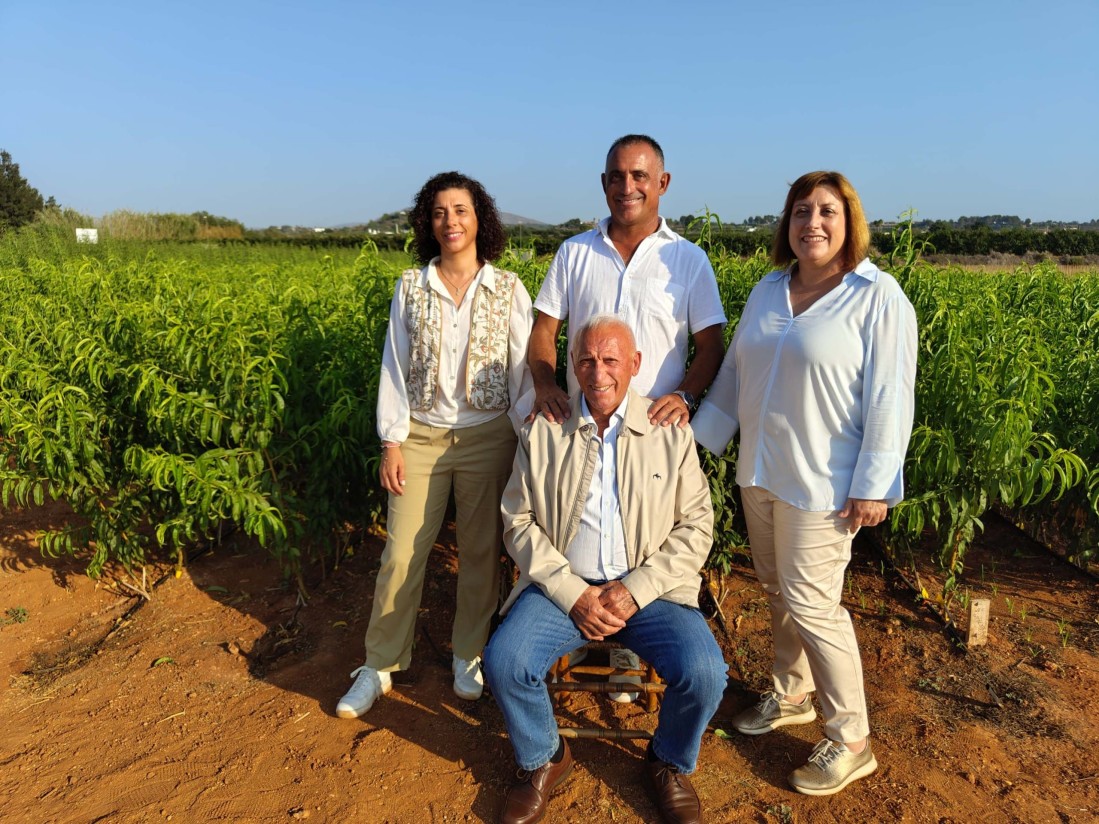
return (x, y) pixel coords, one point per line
(862, 512)
(391, 471)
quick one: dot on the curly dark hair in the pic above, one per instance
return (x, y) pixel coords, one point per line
(491, 237)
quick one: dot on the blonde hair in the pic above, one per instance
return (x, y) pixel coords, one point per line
(857, 243)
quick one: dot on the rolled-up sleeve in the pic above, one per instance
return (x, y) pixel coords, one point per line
(705, 308)
(520, 383)
(393, 409)
(888, 403)
(553, 295)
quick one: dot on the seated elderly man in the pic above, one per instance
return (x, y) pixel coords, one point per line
(609, 520)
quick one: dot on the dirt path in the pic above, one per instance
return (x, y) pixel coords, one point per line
(214, 702)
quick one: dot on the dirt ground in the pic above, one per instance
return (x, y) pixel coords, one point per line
(214, 700)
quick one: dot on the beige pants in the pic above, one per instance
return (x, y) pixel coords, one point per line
(476, 462)
(800, 558)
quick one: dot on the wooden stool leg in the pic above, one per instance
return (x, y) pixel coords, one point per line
(651, 697)
(559, 671)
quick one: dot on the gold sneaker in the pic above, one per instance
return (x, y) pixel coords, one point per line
(831, 767)
(773, 712)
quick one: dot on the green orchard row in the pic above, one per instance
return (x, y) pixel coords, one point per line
(167, 391)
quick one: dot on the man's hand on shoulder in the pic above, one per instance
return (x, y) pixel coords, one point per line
(669, 410)
(617, 600)
(552, 401)
(549, 398)
(592, 618)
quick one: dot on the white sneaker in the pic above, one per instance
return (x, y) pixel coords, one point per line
(469, 682)
(369, 684)
(623, 658)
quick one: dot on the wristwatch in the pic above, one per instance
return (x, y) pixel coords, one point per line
(688, 398)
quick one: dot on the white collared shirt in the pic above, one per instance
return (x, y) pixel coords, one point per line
(451, 409)
(666, 293)
(824, 401)
(598, 552)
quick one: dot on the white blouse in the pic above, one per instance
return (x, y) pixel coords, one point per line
(825, 400)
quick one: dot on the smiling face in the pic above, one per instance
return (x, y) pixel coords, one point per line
(454, 222)
(604, 361)
(634, 182)
(818, 232)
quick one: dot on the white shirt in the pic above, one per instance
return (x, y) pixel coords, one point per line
(598, 551)
(825, 400)
(451, 409)
(666, 293)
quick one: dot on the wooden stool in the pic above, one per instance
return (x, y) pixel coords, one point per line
(563, 678)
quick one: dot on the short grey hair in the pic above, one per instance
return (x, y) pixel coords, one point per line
(605, 320)
(632, 140)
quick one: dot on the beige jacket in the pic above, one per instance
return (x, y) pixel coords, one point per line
(667, 516)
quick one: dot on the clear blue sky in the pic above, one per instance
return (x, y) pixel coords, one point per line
(326, 113)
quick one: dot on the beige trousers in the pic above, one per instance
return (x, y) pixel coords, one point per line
(800, 558)
(476, 462)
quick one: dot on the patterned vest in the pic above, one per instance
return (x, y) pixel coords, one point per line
(489, 327)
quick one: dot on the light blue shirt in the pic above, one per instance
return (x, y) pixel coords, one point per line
(824, 401)
(598, 551)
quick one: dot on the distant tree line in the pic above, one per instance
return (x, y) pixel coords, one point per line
(23, 205)
(979, 239)
(944, 240)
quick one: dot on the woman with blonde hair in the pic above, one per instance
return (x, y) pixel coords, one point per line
(819, 379)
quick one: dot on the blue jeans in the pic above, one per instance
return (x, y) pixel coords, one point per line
(675, 639)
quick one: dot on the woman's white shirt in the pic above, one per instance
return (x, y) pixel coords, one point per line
(825, 400)
(451, 409)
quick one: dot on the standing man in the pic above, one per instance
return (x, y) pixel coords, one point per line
(634, 266)
(608, 519)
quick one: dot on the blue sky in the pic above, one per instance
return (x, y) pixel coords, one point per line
(326, 113)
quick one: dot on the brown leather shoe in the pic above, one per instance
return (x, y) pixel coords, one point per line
(675, 797)
(526, 800)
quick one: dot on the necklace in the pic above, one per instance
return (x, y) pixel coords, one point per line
(456, 289)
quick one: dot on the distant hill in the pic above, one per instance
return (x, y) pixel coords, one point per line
(508, 219)
(391, 220)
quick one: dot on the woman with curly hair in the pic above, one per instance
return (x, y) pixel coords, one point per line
(453, 391)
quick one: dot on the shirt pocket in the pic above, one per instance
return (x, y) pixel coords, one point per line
(663, 299)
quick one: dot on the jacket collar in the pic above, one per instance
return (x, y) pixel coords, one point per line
(636, 418)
